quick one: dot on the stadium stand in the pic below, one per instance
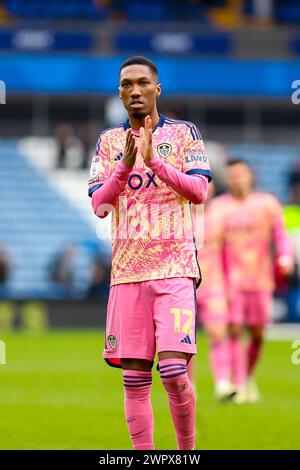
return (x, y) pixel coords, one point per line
(53, 210)
(36, 224)
(272, 164)
(218, 69)
(56, 10)
(287, 11)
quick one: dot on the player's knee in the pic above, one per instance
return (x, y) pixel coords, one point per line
(179, 389)
(174, 376)
(216, 334)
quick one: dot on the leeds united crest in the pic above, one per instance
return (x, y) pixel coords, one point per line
(164, 150)
(112, 340)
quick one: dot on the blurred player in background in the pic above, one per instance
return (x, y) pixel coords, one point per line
(153, 163)
(251, 223)
(212, 299)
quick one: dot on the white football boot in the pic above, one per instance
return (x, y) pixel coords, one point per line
(253, 395)
(240, 397)
(224, 390)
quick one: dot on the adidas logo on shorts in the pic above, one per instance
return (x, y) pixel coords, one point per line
(186, 339)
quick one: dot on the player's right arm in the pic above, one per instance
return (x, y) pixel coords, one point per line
(105, 185)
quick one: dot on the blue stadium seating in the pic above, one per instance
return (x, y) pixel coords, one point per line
(36, 223)
(272, 164)
(295, 45)
(56, 9)
(288, 11)
(134, 10)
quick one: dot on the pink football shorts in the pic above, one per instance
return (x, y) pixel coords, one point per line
(212, 308)
(250, 308)
(149, 316)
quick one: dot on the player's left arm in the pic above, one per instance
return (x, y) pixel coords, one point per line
(191, 183)
(285, 255)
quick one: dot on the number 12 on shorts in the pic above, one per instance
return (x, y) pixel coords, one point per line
(178, 314)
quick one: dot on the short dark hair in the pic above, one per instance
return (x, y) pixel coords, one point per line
(237, 161)
(140, 60)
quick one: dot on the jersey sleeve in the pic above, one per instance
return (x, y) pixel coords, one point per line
(195, 160)
(100, 167)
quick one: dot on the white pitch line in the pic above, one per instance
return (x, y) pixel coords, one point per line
(283, 332)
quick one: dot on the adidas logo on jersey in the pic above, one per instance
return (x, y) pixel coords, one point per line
(118, 157)
(186, 339)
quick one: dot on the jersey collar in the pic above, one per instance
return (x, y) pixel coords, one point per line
(126, 125)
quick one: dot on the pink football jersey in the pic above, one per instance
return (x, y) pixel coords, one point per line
(251, 229)
(210, 256)
(151, 223)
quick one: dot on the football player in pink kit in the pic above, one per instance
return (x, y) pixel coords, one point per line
(251, 223)
(212, 299)
(146, 172)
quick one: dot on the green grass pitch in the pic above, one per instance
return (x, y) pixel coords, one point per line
(55, 393)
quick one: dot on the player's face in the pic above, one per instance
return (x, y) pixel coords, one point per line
(139, 90)
(239, 179)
